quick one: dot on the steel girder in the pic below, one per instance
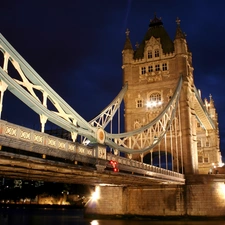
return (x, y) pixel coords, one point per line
(148, 136)
(201, 112)
(66, 117)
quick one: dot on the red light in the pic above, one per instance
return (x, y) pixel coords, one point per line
(114, 165)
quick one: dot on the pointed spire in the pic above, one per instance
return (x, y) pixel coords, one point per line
(127, 32)
(127, 44)
(211, 101)
(179, 32)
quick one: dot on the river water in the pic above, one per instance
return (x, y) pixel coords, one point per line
(75, 217)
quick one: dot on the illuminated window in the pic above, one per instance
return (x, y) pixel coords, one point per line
(149, 54)
(206, 160)
(199, 143)
(143, 70)
(139, 103)
(157, 53)
(164, 66)
(200, 159)
(155, 97)
(155, 100)
(150, 69)
(207, 144)
(157, 67)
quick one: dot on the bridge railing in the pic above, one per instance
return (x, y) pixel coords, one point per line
(144, 166)
(14, 131)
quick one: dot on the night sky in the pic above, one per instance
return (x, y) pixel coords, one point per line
(76, 46)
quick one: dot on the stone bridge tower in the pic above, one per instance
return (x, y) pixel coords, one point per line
(152, 72)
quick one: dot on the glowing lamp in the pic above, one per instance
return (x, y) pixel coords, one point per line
(150, 104)
(96, 195)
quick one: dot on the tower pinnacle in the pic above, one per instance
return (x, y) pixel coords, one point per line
(179, 32)
(127, 44)
(127, 32)
(178, 21)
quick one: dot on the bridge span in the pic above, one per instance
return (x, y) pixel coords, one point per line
(29, 154)
(164, 117)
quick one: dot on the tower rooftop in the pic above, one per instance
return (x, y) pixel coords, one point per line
(156, 30)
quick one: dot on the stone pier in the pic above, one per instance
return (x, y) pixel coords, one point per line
(203, 195)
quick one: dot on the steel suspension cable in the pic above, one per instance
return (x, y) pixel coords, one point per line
(180, 134)
(176, 145)
(171, 145)
(166, 152)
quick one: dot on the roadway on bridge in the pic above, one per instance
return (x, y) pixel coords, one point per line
(32, 168)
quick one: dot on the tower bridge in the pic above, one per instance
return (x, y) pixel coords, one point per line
(164, 116)
(40, 156)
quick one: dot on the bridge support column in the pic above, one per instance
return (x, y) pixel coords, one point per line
(202, 196)
(188, 133)
(205, 195)
(160, 200)
(110, 202)
(43, 120)
(3, 87)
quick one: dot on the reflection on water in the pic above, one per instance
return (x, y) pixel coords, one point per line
(150, 222)
(94, 222)
(75, 217)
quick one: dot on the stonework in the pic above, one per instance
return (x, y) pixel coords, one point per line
(152, 72)
(202, 196)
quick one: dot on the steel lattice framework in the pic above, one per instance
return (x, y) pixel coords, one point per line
(103, 119)
(137, 141)
(148, 136)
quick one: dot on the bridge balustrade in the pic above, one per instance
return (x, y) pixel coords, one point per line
(25, 134)
(140, 165)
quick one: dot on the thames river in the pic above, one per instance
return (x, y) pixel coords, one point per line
(75, 217)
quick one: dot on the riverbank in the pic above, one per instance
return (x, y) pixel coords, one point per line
(40, 206)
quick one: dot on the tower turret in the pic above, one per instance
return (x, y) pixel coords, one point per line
(127, 52)
(180, 43)
(128, 55)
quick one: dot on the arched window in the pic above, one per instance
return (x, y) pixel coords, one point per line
(154, 100)
(155, 97)
(156, 52)
(149, 54)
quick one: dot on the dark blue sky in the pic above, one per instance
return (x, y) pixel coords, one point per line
(76, 45)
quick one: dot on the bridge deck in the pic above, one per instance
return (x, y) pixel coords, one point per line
(71, 162)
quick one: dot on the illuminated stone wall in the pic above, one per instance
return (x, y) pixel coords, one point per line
(152, 73)
(110, 201)
(155, 201)
(203, 195)
(206, 195)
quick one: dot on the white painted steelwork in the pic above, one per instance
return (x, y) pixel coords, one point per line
(14, 132)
